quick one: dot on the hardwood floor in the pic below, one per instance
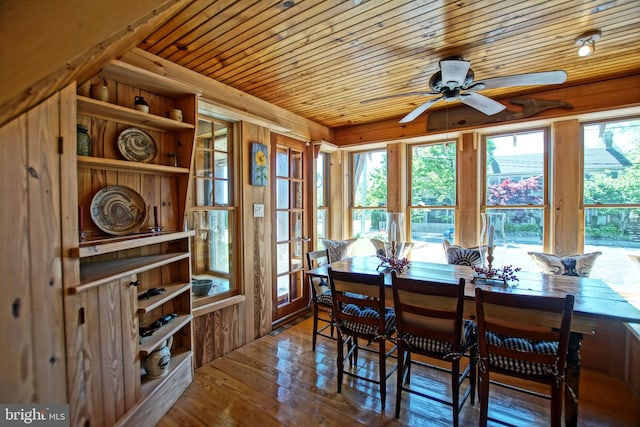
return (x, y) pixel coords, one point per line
(277, 380)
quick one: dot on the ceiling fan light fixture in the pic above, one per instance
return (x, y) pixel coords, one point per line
(587, 42)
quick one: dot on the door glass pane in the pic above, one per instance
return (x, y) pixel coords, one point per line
(283, 258)
(282, 227)
(296, 188)
(283, 289)
(296, 164)
(296, 220)
(282, 162)
(282, 193)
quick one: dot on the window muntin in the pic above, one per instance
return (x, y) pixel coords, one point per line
(515, 173)
(432, 190)
(611, 194)
(213, 214)
(368, 198)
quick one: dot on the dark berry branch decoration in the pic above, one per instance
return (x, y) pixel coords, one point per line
(398, 264)
(506, 273)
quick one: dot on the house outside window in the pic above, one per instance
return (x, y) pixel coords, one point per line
(515, 185)
(432, 190)
(368, 199)
(212, 212)
(611, 191)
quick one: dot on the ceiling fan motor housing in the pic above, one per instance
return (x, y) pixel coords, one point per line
(437, 85)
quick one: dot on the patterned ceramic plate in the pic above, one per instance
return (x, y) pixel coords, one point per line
(137, 145)
(118, 210)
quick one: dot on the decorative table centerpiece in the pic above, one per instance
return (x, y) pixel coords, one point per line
(393, 262)
(501, 275)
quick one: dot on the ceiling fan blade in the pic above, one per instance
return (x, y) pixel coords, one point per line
(398, 95)
(454, 72)
(528, 79)
(482, 103)
(419, 110)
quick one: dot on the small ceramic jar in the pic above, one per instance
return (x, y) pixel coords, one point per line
(175, 114)
(141, 104)
(83, 141)
(157, 363)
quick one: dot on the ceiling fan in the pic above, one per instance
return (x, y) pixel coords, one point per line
(454, 82)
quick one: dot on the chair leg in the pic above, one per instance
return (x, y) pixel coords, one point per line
(315, 325)
(483, 395)
(399, 377)
(556, 406)
(455, 390)
(473, 372)
(340, 361)
(382, 360)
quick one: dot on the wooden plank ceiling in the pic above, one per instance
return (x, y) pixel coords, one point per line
(321, 59)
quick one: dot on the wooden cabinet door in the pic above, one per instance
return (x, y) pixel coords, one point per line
(105, 356)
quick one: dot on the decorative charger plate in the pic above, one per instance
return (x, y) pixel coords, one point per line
(137, 145)
(118, 210)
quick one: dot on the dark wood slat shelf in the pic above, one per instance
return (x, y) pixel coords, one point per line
(148, 344)
(98, 273)
(146, 305)
(113, 244)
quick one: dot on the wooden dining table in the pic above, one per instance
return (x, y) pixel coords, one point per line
(594, 300)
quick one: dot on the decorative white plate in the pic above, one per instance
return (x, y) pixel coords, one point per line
(118, 210)
(137, 145)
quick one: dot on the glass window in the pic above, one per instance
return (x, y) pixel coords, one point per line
(515, 175)
(368, 198)
(612, 198)
(432, 188)
(322, 198)
(213, 212)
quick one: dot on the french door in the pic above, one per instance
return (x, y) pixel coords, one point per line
(289, 200)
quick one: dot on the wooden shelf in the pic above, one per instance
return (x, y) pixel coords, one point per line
(146, 80)
(146, 305)
(178, 359)
(148, 344)
(126, 166)
(113, 244)
(98, 273)
(120, 114)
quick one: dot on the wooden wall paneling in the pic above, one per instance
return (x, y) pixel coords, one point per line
(468, 188)
(110, 327)
(16, 351)
(204, 347)
(567, 229)
(585, 98)
(93, 365)
(232, 103)
(43, 130)
(397, 179)
(78, 383)
(218, 333)
(605, 351)
(130, 336)
(257, 244)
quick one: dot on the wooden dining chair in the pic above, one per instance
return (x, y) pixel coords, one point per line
(509, 344)
(321, 303)
(429, 322)
(360, 313)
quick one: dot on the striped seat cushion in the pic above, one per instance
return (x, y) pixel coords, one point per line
(325, 298)
(354, 310)
(524, 345)
(436, 346)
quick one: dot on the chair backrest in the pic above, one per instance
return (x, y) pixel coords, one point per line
(500, 315)
(428, 309)
(316, 259)
(354, 295)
